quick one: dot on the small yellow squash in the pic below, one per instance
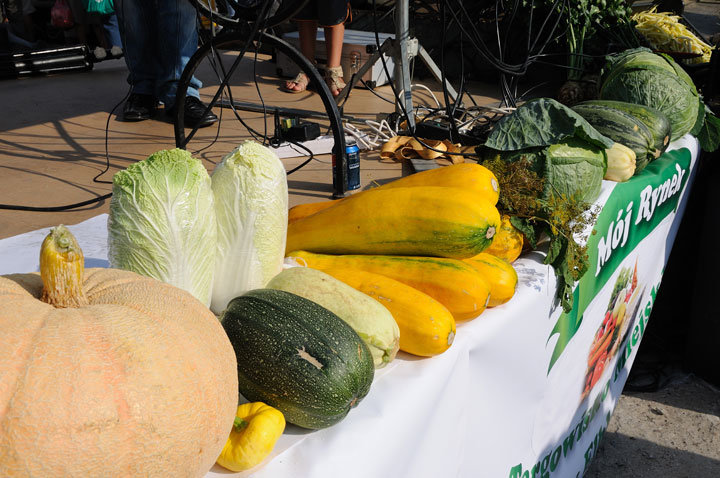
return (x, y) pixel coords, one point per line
(456, 285)
(621, 163)
(427, 328)
(508, 241)
(499, 274)
(256, 429)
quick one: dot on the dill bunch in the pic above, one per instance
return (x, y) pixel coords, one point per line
(562, 220)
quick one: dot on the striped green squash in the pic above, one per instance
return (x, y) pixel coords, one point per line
(297, 356)
(622, 128)
(655, 120)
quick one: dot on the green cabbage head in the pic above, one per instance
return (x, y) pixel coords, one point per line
(642, 77)
(162, 222)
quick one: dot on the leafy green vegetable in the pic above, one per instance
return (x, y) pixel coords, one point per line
(582, 20)
(162, 222)
(251, 204)
(542, 122)
(574, 168)
(639, 76)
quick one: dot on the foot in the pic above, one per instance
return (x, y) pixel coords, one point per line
(298, 84)
(193, 113)
(139, 107)
(100, 53)
(334, 79)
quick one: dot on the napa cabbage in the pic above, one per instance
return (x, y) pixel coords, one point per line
(251, 205)
(162, 222)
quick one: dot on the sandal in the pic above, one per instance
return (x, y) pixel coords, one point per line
(334, 79)
(301, 80)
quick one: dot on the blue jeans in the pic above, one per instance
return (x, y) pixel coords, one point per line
(159, 37)
(112, 30)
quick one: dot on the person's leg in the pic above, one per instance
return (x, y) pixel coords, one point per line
(307, 31)
(177, 43)
(100, 35)
(112, 30)
(334, 36)
(137, 25)
(136, 22)
(333, 17)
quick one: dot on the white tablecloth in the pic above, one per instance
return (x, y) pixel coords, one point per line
(484, 407)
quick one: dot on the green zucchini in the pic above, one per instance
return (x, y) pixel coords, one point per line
(655, 120)
(297, 356)
(622, 128)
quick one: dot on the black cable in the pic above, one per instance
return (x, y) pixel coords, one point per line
(372, 90)
(215, 56)
(107, 131)
(14, 207)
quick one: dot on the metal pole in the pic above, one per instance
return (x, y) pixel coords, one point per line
(402, 56)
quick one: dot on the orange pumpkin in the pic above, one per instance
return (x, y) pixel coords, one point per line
(123, 376)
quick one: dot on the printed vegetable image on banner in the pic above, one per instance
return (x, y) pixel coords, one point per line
(631, 213)
(622, 308)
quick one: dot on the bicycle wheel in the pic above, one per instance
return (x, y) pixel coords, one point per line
(228, 74)
(234, 13)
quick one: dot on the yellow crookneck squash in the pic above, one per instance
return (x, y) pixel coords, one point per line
(110, 374)
(455, 284)
(420, 221)
(256, 429)
(469, 176)
(427, 328)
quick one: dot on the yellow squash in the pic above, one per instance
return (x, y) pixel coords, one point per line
(455, 284)
(499, 274)
(508, 241)
(256, 429)
(427, 328)
(468, 176)
(422, 221)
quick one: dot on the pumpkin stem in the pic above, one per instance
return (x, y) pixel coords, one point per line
(239, 423)
(62, 265)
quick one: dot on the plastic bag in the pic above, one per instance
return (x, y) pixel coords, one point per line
(60, 14)
(101, 7)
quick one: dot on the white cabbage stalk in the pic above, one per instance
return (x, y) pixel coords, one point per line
(251, 205)
(162, 222)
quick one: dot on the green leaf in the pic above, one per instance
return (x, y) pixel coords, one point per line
(542, 122)
(709, 135)
(558, 245)
(565, 284)
(527, 228)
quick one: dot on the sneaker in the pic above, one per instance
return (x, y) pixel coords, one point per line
(139, 107)
(99, 53)
(193, 113)
(116, 51)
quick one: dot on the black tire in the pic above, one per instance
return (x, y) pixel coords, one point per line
(232, 40)
(284, 11)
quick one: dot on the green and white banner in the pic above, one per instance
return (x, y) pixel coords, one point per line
(589, 351)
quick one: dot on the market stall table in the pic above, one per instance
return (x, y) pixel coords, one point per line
(525, 390)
